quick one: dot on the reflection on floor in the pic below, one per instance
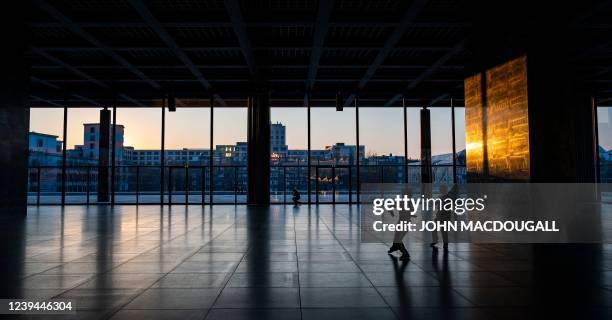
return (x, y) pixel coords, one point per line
(234, 262)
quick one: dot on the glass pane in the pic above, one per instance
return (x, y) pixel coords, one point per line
(289, 154)
(414, 144)
(382, 134)
(441, 145)
(45, 155)
(138, 172)
(187, 153)
(83, 142)
(230, 156)
(460, 144)
(333, 139)
(604, 126)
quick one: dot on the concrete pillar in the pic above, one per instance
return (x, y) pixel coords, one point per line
(103, 156)
(258, 149)
(14, 125)
(14, 111)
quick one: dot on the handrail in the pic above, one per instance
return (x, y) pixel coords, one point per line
(334, 182)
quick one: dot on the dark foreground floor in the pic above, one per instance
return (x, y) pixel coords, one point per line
(283, 263)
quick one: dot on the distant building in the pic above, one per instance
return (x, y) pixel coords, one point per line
(171, 157)
(605, 155)
(230, 160)
(278, 145)
(344, 154)
(44, 150)
(90, 149)
(231, 153)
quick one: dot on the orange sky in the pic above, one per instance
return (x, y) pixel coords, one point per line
(189, 127)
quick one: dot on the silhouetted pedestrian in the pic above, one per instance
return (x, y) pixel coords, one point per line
(296, 197)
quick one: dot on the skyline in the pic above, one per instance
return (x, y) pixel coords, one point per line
(188, 127)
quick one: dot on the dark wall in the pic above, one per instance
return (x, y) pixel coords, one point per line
(561, 126)
(561, 140)
(14, 109)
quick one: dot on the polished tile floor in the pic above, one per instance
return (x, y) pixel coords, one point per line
(282, 262)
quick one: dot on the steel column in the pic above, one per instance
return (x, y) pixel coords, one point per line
(113, 153)
(211, 180)
(454, 147)
(405, 139)
(65, 133)
(358, 172)
(162, 158)
(309, 147)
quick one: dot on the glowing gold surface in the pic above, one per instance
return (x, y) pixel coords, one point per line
(502, 150)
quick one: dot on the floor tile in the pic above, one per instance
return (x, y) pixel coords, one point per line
(192, 280)
(271, 279)
(260, 297)
(174, 299)
(348, 313)
(159, 315)
(340, 298)
(254, 314)
(331, 280)
(438, 297)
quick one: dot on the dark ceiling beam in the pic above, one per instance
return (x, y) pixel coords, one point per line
(84, 75)
(280, 66)
(445, 95)
(54, 86)
(229, 80)
(233, 9)
(188, 49)
(601, 71)
(586, 52)
(427, 73)
(49, 102)
(598, 8)
(65, 21)
(70, 68)
(409, 16)
(320, 32)
(596, 26)
(441, 97)
(152, 23)
(224, 24)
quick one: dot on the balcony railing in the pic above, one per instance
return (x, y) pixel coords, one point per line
(192, 184)
(605, 172)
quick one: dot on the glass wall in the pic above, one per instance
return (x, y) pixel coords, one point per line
(138, 172)
(460, 144)
(187, 155)
(230, 155)
(289, 154)
(604, 126)
(441, 145)
(45, 155)
(82, 156)
(413, 126)
(382, 135)
(333, 139)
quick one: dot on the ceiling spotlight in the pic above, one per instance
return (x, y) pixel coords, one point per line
(339, 101)
(171, 102)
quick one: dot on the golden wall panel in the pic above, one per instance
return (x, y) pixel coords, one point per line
(473, 125)
(497, 122)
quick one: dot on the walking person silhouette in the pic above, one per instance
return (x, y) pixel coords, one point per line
(296, 197)
(443, 215)
(398, 237)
